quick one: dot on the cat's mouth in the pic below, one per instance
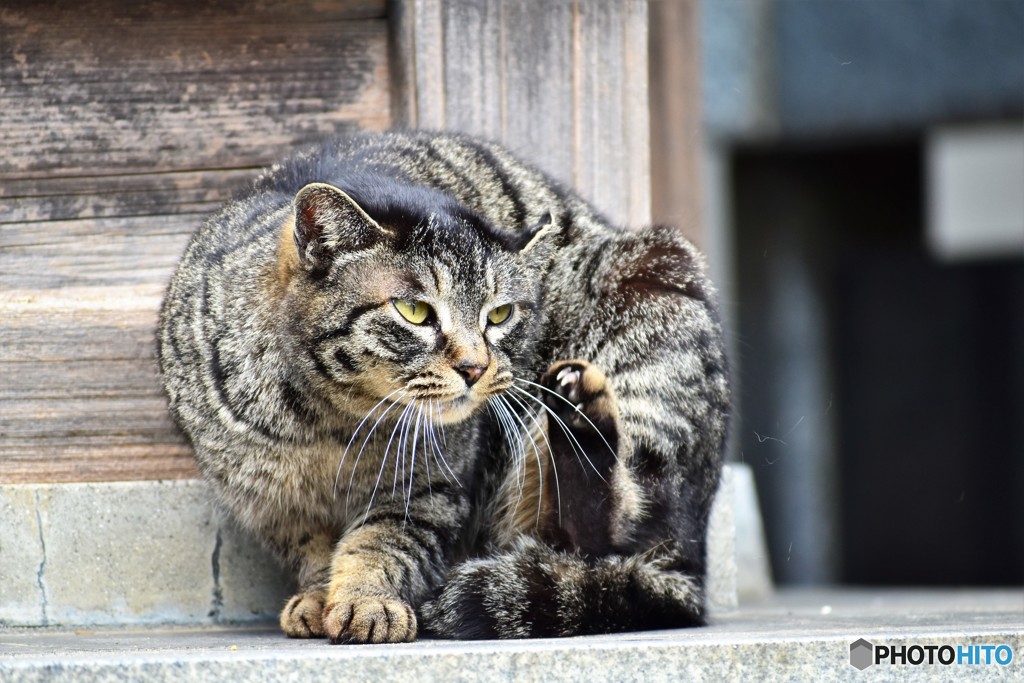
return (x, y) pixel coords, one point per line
(460, 406)
(467, 399)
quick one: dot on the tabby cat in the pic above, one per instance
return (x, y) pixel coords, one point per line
(450, 396)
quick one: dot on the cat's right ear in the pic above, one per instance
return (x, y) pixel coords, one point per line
(538, 233)
(328, 221)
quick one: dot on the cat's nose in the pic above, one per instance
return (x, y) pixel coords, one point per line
(471, 373)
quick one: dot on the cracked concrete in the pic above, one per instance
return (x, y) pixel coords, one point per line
(127, 553)
(22, 597)
(218, 594)
(43, 600)
(136, 553)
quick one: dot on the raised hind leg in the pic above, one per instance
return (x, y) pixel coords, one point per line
(583, 437)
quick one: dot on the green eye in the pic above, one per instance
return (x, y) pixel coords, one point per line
(500, 314)
(415, 312)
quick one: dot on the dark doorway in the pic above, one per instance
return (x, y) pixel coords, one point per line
(882, 391)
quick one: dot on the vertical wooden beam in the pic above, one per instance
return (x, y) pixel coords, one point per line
(537, 80)
(563, 83)
(676, 138)
(612, 152)
(637, 121)
(474, 57)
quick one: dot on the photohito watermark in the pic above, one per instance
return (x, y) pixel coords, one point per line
(864, 654)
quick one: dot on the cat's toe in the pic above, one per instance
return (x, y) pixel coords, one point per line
(302, 616)
(568, 381)
(370, 620)
(579, 393)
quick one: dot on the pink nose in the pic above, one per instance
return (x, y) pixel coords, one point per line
(470, 373)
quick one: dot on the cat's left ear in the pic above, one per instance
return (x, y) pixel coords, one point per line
(328, 221)
(535, 235)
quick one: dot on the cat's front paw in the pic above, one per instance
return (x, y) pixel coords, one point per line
(363, 619)
(579, 393)
(302, 616)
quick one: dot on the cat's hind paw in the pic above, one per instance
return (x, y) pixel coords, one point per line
(579, 393)
(302, 616)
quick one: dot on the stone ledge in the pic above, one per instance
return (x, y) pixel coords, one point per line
(792, 636)
(158, 552)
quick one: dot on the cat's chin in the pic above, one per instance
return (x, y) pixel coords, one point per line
(459, 408)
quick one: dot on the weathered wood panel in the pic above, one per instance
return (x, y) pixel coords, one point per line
(561, 82)
(105, 87)
(79, 394)
(676, 126)
(92, 252)
(116, 196)
(612, 150)
(122, 126)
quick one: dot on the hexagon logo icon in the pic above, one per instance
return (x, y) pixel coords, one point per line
(861, 654)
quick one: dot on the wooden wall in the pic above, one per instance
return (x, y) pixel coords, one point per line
(676, 117)
(122, 124)
(563, 83)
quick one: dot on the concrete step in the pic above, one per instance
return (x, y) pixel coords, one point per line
(158, 552)
(802, 636)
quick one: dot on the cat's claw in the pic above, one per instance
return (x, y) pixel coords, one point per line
(568, 379)
(370, 620)
(580, 394)
(302, 617)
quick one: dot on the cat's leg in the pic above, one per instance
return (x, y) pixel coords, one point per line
(381, 571)
(365, 605)
(647, 318)
(583, 438)
(310, 555)
(645, 321)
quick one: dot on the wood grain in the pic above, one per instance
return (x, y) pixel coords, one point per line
(676, 127)
(92, 252)
(561, 82)
(122, 126)
(79, 394)
(115, 87)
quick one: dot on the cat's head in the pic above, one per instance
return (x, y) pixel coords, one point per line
(408, 299)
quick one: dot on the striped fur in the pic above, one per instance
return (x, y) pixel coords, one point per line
(547, 474)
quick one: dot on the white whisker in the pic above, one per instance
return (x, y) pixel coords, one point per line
(519, 456)
(362, 447)
(428, 428)
(412, 461)
(441, 452)
(437, 448)
(384, 459)
(344, 455)
(535, 416)
(579, 412)
(578, 449)
(403, 443)
(500, 411)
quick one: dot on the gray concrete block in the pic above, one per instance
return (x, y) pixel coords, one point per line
(160, 553)
(21, 558)
(801, 636)
(753, 570)
(250, 582)
(721, 545)
(127, 552)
